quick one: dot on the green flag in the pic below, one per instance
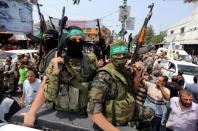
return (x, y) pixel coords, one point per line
(132, 45)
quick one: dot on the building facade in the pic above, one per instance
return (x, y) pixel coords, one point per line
(185, 32)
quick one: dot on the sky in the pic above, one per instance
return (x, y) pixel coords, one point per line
(165, 12)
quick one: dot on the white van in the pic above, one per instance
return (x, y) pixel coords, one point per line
(189, 70)
(13, 54)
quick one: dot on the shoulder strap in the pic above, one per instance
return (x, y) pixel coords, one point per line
(85, 66)
(48, 54)
(111, 70)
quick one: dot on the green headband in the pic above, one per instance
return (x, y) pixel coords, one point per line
(119, 49)
(75, 32)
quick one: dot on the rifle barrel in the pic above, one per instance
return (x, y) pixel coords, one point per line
(142, 35)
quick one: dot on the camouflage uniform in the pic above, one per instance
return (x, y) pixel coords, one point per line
(29, 64)
(45, 62)
(16, 73)
(9, 77)
(68, 91)
(105, 89)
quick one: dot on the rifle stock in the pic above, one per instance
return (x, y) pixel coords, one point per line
(142, 34)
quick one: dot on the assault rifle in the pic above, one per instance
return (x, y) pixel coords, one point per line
(101, 42)
(62, 23)
(130, 39)
(53, 26)
(142, 35)
(43, 28)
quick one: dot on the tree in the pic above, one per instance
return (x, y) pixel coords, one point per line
(149, 34)
(159, 38)
(151, 37)
(148, 37)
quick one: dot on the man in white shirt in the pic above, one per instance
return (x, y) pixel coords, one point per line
(182, 113)
(30, 88)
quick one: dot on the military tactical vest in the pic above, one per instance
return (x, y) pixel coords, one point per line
(119, 110)
(74, 84)
(42, 67)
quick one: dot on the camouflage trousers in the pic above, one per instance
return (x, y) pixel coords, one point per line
(143, 118)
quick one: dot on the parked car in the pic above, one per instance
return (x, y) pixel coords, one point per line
(13, 54)
(189, 69)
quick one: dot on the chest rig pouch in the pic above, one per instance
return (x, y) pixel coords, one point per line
(119, 110)
(73, 88)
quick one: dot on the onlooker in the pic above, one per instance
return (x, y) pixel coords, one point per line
(19, 57)
(156, 95)
(176, 56)
(28, 64)
(9, 47)
(173, 86)
(8, 72)
(158, 67)
(193, 88)
(181, 79)
(35, 60)
(183, 113)
(30, 88)
(16, 73)
(22, 74)
(3, 48)
(141, 93)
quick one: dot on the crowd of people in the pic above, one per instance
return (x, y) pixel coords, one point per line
(9, 46)
(112, 94)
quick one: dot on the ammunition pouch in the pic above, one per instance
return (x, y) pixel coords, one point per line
(120, 112)
(72, 98)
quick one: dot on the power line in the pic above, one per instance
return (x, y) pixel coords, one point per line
(109, 14)
(112, 25)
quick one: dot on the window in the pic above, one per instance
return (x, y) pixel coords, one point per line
(188, 70)
(182, 30)
(172, 32)
(172, 67)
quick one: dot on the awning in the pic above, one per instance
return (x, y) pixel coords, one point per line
(5, 35)
(18, 37)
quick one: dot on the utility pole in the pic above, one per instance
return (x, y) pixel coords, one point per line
(123, 17)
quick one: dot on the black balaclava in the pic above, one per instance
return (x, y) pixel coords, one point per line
(52, 40)
(74, 49)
